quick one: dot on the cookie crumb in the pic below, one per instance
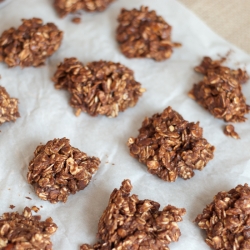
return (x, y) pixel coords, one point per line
(76, 20)
(229, 131)
(35, 209)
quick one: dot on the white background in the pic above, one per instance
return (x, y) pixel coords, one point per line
(45, 115)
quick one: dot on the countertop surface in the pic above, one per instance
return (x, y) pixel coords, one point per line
(228, 19)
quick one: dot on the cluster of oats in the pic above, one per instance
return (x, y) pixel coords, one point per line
(104, 88)
(8, 107)
(30, 44)
(25, 231)
(64, 7)
(141, 33)
(58, 170)
(170, 146)
(220, 91)
(229, 131)
(130, 223)
(227, 220)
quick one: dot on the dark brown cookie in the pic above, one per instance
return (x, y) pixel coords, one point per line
(58, 170)
(170, 146)
(220, 91)
(30, 44)
(25, 231)
(226, 220)
(8, 107)
(129, 223)
(143, 34)
(99, 88)
(64, 7)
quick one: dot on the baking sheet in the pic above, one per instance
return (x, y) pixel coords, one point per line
(45, 115)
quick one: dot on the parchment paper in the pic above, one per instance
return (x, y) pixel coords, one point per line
(45, 115)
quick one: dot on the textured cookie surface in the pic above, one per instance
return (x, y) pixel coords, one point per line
(8, 107)
(226, 220)
(58, 170)
(129, 223)
(220, 91)
(64, 7)
(170, 146)
(25, 231)
(30, 44)
(142, 33)
(99, 88)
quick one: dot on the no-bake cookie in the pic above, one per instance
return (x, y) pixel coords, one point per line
(99, 88)
(226, 220)
(30, 44)
(8, 107)
(170, 146)
(25, 231)
(220, 91)
(129, 223)
(144, 34)
(58, 170)
(64, 7)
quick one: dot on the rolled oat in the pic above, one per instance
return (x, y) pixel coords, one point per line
(229, 131)
(76, 20)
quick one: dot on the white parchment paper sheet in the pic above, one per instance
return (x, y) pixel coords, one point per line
(45, 115)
